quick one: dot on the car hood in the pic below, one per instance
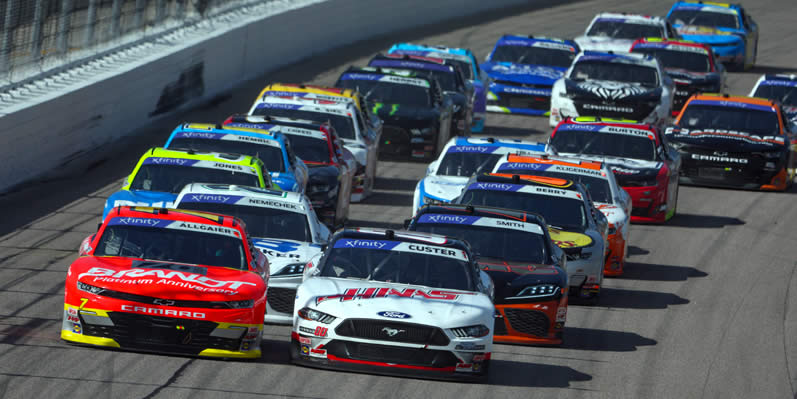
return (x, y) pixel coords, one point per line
(726, 140)
(708, 34)
(604, 44)
(281, 253)
(337, 297)
(443, 187)
(610, 90)
(523, 73)
(165, 280)
(692, 78)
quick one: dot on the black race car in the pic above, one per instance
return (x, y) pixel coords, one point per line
(448, 75)
(417, 116)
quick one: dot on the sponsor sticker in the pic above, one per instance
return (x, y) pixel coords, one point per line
(351, 294)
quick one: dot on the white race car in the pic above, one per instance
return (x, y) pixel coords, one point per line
(461, 158)
(282, 225)
(395, 303)
(616, 32)
(622, 86)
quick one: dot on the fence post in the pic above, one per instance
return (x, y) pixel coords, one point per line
(139, 19)
(36, 37)
(116, 18)
(91, 22)
(64, 22)
(179, 10)
(8, 34)
(160, 12)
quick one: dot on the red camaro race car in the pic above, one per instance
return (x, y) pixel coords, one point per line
(169, 281)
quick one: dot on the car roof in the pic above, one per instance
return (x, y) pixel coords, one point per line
(236, 159)
(389, 75)
(630, 58)
(234, 194)
(493, 142)
(632, 18)
(675, 44)
(410, 62)
(705, 4)
(403, 236)
(599, 125)
(324, 106)
(541, 40)
(482, 211)
(287, 126)
(207, 218)
(311, 91)
(218, 129)
(725, 100)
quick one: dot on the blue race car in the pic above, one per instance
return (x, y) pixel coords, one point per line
(287, 171)
(522, 71)
(727, 28)
(782, 88)
(469, 66)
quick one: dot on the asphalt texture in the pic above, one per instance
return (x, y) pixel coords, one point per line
(707, 307)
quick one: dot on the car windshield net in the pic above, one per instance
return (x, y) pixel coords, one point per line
(172, 245)
(389, 93)
(533, 56)
(310, 149)
(172, 178)
(261, 222)
(730, 118)
(404, 263)
(597, 187)
(704, 18)
(489, 242)
(624, 30)
(565, 213)
(687, 60)
(615, 71)
(343, 125)
(785, 94)
(270, 155)
(612, 145)
(463, 66)
(466, 163)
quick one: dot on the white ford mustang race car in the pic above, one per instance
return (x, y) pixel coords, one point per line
(283, 226)
(616, 32)
(395, 303)
(461, 158)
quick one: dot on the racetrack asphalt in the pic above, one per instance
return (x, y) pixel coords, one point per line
(706, 308)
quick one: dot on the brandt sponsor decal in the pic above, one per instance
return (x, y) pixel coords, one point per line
(165, 277)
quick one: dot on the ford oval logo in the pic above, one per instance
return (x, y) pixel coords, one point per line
(394, 315)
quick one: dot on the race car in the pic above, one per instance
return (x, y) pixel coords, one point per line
(527, 268)
(522, 71)
(287, 171)
(574, 223)
(416, 114)
(628, 86)
(727, 28)
(691, 66)
(450, 79)
(363, 145)
(330, 166)
(394, 302)
(462, 157)
(642, 162)
(281, 224)
(781, 88)
(160, 174)
(610, 31)
(609, 197)
(734, 141)
(167, 281)
(468, 64)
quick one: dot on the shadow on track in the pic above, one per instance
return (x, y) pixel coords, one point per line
(634, 250)
(589, 339)
(655, 272)
(522, 374)
(702, 221)
(394, 184)
(630, 299)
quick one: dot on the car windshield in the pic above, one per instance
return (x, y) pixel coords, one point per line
(466, 163)
(398, 266)
(310, 149)
(270, 155)
(612, 145)
(785, 94)
(704, 18)
(390, 93)
(567, 213)
(467, 71)
(619, 29)
(730, 118)
(260, 222)
(533, 56)
(344, 125)
(615, 71)
(690, 61)
(490, 242)
(172, 178)
(597, 187)
(172, 245)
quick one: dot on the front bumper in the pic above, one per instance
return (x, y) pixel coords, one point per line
(522, 100)
(540, 323)
(750, 177)
(159, 334)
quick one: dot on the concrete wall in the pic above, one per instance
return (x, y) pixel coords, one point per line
(36, 138)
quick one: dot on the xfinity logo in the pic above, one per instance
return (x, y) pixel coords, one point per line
(168, 161)
(365, 244)
(138, 221)
(608, 108)
(494, 186)
(391, 332)
(465, 148)
(715, 158)
(209, 198)
(448, 218)
(198, 135)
